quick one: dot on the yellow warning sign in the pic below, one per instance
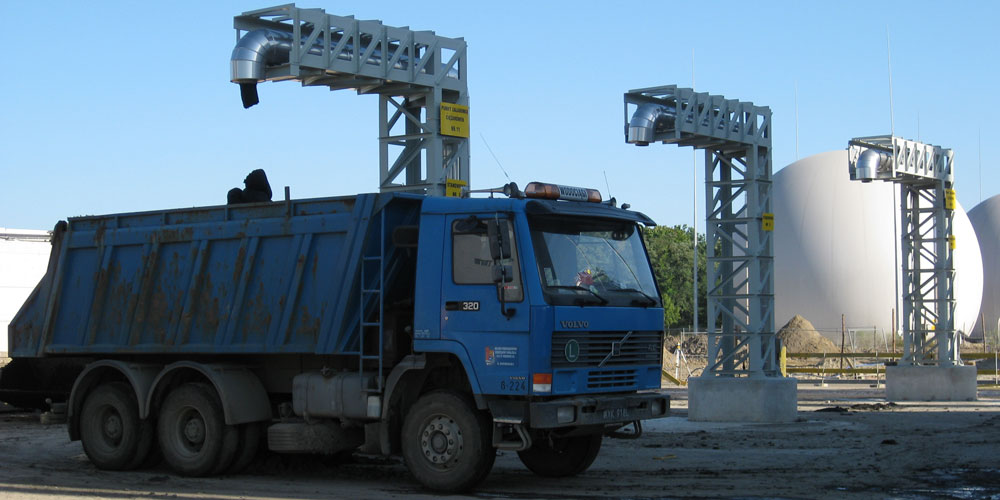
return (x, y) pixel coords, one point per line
(767, 223)
(453, 187)
(454, 120)
(949, 199)
(951, 242)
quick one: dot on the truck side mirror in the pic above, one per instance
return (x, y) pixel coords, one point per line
(502, 273)
(498, 232)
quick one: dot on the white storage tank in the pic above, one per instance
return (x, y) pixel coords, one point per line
(834, 244)
(985, 219)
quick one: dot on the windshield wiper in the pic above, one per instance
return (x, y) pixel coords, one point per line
(651, 300)
(578, 287)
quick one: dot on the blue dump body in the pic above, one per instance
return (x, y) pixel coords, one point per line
(262, 278)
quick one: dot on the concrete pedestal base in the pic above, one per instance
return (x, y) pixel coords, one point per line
(930, 383)
(765, 399)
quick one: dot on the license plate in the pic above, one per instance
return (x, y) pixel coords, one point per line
(616, 414)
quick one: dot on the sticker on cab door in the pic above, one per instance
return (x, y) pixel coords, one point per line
(501, 356)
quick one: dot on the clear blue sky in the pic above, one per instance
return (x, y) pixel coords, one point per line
(127, 106)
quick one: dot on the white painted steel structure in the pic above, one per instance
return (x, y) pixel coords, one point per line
(24, 255)
(925, 176)
(736, 137)
(413, 73)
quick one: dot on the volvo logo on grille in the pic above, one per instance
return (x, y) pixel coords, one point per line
(616, 348)
(575, 324)
(572, 350)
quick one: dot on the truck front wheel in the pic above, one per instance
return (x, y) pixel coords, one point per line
(561, 456)
(113, 436)
(447, 443)
(193, 434)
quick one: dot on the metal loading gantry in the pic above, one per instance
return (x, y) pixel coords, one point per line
(742, 380)
(931, 367)
(420, 79)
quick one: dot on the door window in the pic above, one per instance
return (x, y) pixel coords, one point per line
(472, 261)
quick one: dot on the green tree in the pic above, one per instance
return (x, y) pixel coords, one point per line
(670, 253)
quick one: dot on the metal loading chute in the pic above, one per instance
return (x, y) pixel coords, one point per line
(257, 49)
(648, 120)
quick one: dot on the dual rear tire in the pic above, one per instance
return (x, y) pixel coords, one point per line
(190, 429)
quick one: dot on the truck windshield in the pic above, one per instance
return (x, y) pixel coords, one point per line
(592, 262)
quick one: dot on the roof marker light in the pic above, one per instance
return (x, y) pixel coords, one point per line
(559, 192)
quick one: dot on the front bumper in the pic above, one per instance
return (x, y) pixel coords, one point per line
(597, 410)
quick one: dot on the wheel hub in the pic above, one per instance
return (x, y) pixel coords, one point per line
(113, 426)
(194, 430)
(441, 440)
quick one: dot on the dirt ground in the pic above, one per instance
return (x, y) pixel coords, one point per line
(847, 443)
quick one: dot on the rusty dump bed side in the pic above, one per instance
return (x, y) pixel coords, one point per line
(246, 279)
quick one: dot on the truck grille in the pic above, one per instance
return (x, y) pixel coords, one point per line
(609, 379)
(591, 348)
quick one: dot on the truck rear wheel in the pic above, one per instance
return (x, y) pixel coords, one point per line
(447, 443)
(561, 456)
(113, 436)
(193, 434)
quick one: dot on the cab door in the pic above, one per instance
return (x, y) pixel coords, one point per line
(493, 331)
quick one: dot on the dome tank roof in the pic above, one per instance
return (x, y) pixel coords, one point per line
(985, 218)
(834, 245)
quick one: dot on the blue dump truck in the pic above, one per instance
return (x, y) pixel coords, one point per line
(441, 329)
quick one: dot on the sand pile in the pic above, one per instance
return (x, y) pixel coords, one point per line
(799, 335)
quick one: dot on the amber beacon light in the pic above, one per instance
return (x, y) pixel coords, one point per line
(558, 192)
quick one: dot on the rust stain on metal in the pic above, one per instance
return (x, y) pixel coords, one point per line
(158, 315)
(23, 336)
(206, 308)
(175, 264)
(99, 235)
(117, 302)
(176, 306)
(258, 317)
(308, 325)
(101, 277)
(174, 235)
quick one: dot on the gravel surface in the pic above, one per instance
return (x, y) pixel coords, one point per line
(847, 443)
